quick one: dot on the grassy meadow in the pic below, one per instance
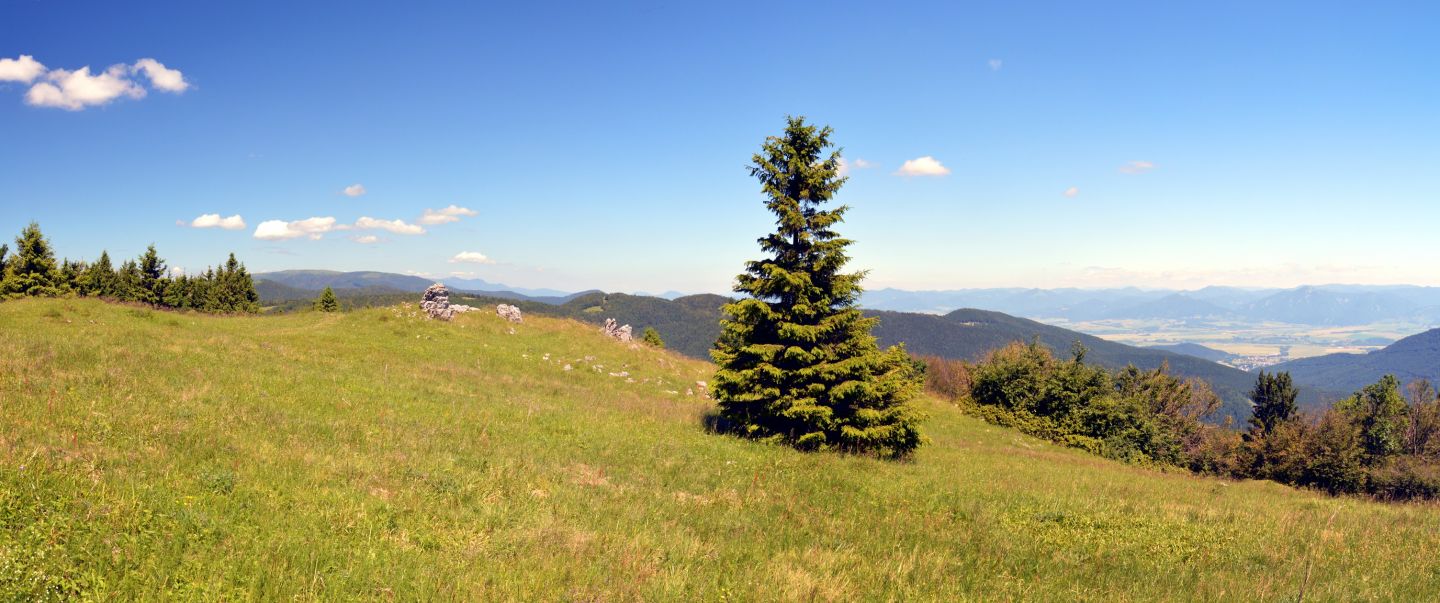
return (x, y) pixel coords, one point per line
(374, 455)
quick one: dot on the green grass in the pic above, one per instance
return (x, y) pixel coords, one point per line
(375, 455)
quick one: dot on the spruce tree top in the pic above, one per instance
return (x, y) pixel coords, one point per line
(32, 269)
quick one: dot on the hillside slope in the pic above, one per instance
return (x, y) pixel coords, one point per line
(376, 455)
(690, 326)
(1411, 358)
(1194, 349)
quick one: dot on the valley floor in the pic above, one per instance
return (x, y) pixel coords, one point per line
(377, 455)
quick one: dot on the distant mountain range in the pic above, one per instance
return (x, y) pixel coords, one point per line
(287, 284)
(1326, 305)
(1411, 358)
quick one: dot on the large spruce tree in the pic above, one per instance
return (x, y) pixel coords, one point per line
(797, 362)
(32, 270)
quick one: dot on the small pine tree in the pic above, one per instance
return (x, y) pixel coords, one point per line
(72, 275)
(202, 291)
(797, 362)
(234, 290)
(1274, 402)
(651, 337)
(32, 270)
(327, 302)
(101, 280)
(151, 287)
(127, 282)
(4, 251)
(177, 293)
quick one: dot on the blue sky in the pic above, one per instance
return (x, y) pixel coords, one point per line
(604, 144)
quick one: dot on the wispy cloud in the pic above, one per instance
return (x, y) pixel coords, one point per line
(234, 222)
(446, 215)
(1137, 167)
(365, 239)
(396, 226)
(995, 64)
(24, 69)
(471, 257)
(847, 165)
(354, 190)
(279, 230)
(162, 78)
(922, 166)
(77, 89)
(1072, 192)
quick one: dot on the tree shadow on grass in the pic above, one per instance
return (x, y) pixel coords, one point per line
(714, 423)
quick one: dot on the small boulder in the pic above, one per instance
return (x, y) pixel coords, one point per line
(509, 312)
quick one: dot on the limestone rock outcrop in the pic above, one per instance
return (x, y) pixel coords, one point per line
(435, 302)
(619, 333)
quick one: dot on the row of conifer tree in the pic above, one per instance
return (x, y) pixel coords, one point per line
(32, 270)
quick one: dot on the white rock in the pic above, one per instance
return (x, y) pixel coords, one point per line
(509, 312)
(613, 330)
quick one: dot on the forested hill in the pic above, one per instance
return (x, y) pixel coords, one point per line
(1411, 358)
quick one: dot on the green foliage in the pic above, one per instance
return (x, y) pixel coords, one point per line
(1274, 399)
(1379, 411)
(797, 361)
(32, 271)
(1135, 415)
(150, 287)
(651, 337)
(233, 290)
(100, 278)
(327, 302)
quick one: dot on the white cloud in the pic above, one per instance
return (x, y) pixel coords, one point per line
(432, 217)
(78, 89)
(24, 69)
(922, 166)
(395, 226)
(75, 90)
(859, 164)
(995, 64)
(1072, 191)
(234, 222)
(354, 190)
(275, 230)
(168, 80)
(365, 239)
(471, 257)
(1137, 167)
